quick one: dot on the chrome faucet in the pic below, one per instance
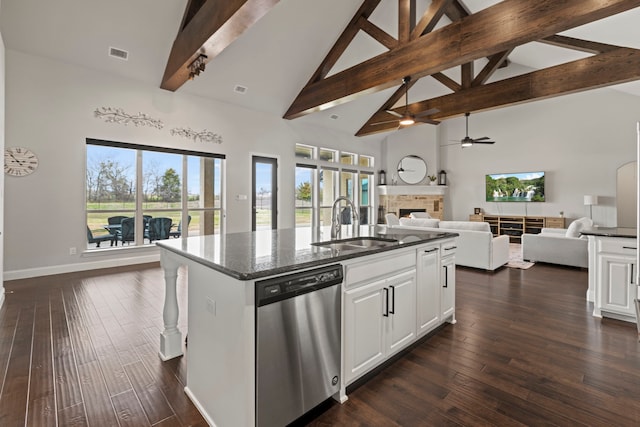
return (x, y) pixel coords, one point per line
(336, 225)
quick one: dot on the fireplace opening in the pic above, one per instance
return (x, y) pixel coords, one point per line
(404, 213)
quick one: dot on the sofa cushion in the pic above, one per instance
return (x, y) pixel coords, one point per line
(577, 226)
(420, 222)
(466, 225)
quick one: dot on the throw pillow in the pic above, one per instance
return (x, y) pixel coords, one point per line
(420, 222)
(419, 215)
(577, 226)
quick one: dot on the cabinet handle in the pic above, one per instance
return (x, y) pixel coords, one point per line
(632, 274)
(430, 250)
(386, 305)
(393, 300)
(450, 248)
(446, 276)
(629, 247)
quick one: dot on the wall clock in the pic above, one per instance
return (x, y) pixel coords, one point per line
(19, 161)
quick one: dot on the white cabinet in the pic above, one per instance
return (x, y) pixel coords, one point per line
(379, 319)
(428, 288)
(614, 276)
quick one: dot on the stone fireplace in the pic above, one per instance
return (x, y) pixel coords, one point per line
(403, 199)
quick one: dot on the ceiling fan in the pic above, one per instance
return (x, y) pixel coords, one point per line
(407, 119)
(468, 142)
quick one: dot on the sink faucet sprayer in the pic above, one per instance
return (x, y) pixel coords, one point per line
(336, 225)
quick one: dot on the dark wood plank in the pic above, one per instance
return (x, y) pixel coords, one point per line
(98, 405)
(129, 410)
(153, 401)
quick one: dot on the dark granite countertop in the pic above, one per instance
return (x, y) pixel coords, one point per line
(251, 255)
(611, 232)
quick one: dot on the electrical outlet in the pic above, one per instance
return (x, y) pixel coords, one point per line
(72, 251)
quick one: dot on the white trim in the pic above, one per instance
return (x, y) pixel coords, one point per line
(388, 190)
(84, 266)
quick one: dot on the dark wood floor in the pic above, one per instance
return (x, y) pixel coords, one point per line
(81, 349)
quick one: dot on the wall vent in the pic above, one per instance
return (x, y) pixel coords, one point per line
(334, 117)
(240, 89)
(118, 53)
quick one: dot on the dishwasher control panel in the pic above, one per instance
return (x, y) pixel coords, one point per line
(278, 288)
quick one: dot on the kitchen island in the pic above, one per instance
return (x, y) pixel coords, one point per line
(410, 275)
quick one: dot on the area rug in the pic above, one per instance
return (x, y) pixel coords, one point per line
(515, 257)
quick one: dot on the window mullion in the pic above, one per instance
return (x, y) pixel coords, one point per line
(139, 236)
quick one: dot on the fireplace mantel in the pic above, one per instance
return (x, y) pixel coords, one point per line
(397, 190)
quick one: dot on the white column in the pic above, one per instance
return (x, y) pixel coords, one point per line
(171, 337)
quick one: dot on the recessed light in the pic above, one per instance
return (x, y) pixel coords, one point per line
(240, 89)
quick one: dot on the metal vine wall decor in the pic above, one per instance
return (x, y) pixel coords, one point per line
(203, 136)
(117, 115)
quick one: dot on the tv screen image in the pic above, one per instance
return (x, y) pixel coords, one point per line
(515, 187)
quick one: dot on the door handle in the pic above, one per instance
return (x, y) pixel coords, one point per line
(393, 300)
(446, 276)
(386, 305)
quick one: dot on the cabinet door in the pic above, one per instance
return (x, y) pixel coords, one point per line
(428, 289)
(448, 289)
(617, 289)
(402, 310)
(364, 323)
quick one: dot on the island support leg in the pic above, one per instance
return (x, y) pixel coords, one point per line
(171, 337)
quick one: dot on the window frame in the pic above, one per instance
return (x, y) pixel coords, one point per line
(139, 201)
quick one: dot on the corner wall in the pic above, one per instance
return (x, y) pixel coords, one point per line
(579, 140)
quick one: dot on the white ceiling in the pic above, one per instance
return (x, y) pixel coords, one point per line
(274, 59)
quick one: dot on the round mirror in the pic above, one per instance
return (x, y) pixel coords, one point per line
(412, 169)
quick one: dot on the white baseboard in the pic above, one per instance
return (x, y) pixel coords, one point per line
(82, 266)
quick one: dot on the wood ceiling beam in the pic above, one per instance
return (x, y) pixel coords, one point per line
(578, 44)
(448, 82)
(617, 66)
(430, 18)
(406, 19)
(377, 33)
(495, 62)
(518, 21)
(210, 30)
(350, 31)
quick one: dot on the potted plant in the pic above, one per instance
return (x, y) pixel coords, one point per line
(433, 180)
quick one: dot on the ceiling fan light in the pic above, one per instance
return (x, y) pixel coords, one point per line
(407, 120)
(466, 144)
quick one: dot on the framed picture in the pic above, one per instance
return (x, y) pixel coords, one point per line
(476, 211)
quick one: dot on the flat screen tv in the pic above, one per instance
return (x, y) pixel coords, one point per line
(515, 187)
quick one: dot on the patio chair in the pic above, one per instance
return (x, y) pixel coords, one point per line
(127, 231)
(99, 239)
(159, 229)
(178, 232)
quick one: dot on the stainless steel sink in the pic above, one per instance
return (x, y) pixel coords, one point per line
(357, 243)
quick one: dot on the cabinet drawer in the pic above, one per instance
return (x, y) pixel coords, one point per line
(379, 267)
(550, 222)
(448, 248)
(618, 246)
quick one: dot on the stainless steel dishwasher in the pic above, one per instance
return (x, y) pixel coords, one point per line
(297, 343)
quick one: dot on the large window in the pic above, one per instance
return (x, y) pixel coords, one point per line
(137, 194)
(322, 175)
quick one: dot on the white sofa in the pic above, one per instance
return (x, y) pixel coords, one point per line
(558, 245)
(476, 246)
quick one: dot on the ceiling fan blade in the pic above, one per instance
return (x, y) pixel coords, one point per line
(425, 120)
(393, 113)
(382, 123)
(484, 142)
(481, 139)
(427, 113)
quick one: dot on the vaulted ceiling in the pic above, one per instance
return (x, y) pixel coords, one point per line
(340, 63)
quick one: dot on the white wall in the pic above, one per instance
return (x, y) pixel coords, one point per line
(419, 140)
(50, 109)
(579, 140)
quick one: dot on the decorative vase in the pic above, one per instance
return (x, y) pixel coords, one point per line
(433, 183)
